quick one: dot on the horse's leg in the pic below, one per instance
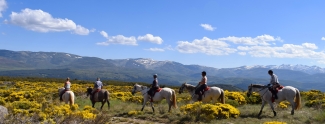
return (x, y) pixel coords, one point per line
(103, 103)
(263, 103)
(170, 102)
(153, 109)
(272, 107)
(93, 102)
(144, 101)
(108, 104)
(293, 105)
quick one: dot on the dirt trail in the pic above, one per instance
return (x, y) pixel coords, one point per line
(123, 120)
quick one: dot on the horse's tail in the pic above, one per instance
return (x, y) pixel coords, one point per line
(297, 100)
(71, 98)
(106, 96)
(174, 98)
(222, 97)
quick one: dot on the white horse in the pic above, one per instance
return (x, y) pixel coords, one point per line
(214, 93)
(68, 96)
(288, 93)
(165, 93)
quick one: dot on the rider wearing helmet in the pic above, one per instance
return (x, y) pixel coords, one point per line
(154, 86)
(274, 82)
(202, 85)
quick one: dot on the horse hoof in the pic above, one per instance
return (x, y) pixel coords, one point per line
(274, 113)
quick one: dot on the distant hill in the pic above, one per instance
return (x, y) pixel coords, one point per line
(61, 65)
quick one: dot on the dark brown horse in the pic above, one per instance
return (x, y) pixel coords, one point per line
(100, 96)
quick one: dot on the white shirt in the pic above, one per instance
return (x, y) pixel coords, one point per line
(274, 79)
(204, 80)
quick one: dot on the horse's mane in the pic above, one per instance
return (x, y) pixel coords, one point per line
(190, 86)
(258, 86)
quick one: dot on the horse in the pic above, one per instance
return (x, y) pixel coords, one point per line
(214, 93)
(288, 93)
(68, 96)
(100, 96)
(164, 93)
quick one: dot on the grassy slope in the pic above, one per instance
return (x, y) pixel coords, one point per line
(248, 113)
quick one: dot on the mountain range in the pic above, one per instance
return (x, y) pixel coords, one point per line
(61, 65)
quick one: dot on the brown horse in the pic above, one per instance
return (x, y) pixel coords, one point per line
(101, 96)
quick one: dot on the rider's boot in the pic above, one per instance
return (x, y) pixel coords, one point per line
(275, 96)
(61, 98)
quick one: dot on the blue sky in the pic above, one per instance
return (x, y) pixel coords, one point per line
(219, 34)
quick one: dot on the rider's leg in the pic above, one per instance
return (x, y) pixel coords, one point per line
(198, 91)
(61, 93)
(274, 93)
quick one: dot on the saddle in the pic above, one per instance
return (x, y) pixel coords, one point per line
(276, 91)
(95, 95)
(158, 90)
(205, 89)
(153, 93)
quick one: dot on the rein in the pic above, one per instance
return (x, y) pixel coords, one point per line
(142, 90)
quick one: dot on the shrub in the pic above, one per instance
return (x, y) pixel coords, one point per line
(209, 112)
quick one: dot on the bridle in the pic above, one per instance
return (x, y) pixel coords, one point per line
(250, 90)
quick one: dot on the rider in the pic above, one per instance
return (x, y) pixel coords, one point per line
(274, 82)
(98, 85)
(67, 85)
(202, 85)
(154, 86)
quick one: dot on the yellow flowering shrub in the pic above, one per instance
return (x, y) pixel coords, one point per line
(2, 101)
(315, 98)
(283, 104)
(274, 122)
(210, 111)
(236, 96)
(134, 112)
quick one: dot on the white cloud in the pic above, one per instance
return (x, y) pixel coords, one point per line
(93, 30)
(208, 27)
(104, 34)
(205, 45)
(155, 49)
(259, 40)
(306, 50)
(40, 21)
(323, 38)
(81, 30)
(119, 39)
(242, 53)
(151, 38)
(3, 6)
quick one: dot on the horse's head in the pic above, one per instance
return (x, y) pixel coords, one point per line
(136, 88)
(89, 90)
(60, 89)
(255, 87)
(181, 89)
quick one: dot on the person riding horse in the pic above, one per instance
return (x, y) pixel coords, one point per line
(202, 85)
(67, 85)
(274, 82)
(154, 86)
(98, 85)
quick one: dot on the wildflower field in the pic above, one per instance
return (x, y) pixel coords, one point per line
(37, 101)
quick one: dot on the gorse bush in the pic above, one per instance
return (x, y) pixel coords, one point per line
(315, 98)
(209, 112)
(237, 96)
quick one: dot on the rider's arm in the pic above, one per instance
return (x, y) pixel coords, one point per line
(203, 81)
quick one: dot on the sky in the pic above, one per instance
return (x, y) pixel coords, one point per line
(214, 33)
